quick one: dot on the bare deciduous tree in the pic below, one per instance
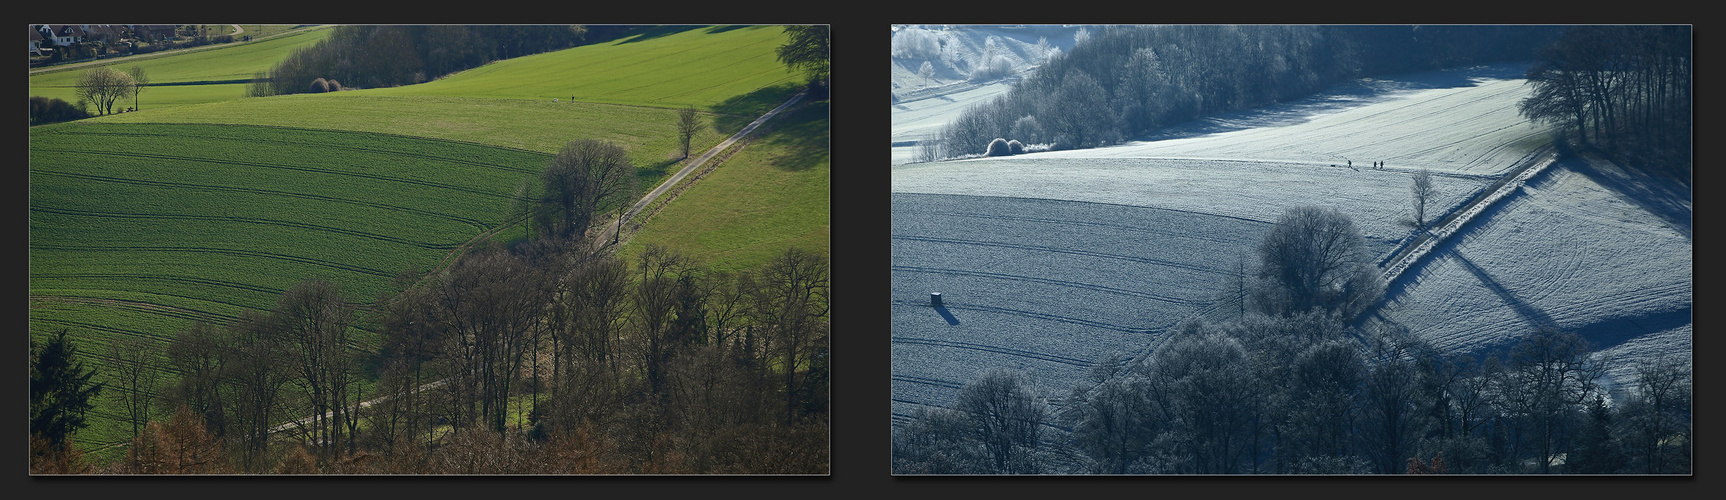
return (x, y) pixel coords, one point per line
(1423, 192)
(687, 126)
(133, 375)
(584, 177)
(1006, 417)
(102, 86)
(140, 79)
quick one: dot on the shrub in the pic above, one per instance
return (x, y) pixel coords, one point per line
(998, 147)
(334, 85)
(1026, 127)
(1014, 147)
(320, 85)
(51, 110)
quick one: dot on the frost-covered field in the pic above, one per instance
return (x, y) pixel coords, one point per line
(1049, 261)
(1462, 120)
(1568, 251)
(1043, 286)
(1377, 200)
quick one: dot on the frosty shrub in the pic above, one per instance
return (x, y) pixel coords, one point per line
(916, 43)
(1027, 129)
(1014, 147)
(998, 147)
(992, 66)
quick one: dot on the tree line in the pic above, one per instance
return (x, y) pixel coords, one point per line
(1621, 90)
(1302, 382)
(1128, 81)
(370, 56)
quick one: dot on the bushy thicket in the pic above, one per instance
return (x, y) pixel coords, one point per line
(998, 147)
(1124, 82)
(386, 56)
(51, 110)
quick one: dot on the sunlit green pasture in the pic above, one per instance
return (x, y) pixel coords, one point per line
(772, 195)
(171, 74)
(648, 134)
(673, 67)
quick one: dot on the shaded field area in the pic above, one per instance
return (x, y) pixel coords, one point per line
(1044, 286)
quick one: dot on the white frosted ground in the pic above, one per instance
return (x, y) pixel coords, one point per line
(1462, 120)
(1377, 200)
(1566, 251)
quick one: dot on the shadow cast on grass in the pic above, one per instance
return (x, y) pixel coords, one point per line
(731, 115)
(646, 33)
(1664, 198)
(803, 135)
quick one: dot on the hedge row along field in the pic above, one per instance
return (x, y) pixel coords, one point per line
(138, 230)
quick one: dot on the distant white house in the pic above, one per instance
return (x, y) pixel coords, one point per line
(67, 34)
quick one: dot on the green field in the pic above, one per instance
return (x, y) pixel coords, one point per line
(705, 67)
(187, 78)
(141, 223)
(773, 195)
(141, 229)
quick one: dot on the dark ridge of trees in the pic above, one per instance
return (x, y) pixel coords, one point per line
(1622, 90)
(367, 56)
(1129, 81)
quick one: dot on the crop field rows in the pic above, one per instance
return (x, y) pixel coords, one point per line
(1048, 287)
(138, 230)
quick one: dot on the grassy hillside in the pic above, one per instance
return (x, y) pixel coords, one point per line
(144, 222)
(774, 194)
(667, 67)
(183, 78)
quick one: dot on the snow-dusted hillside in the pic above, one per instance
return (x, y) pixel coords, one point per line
(1049, 260)
(968, 65)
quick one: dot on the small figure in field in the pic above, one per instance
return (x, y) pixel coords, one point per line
(1351, 164)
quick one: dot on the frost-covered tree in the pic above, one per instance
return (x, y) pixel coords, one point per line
(1423, 192)
(1314, 259)
(1006, 418)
